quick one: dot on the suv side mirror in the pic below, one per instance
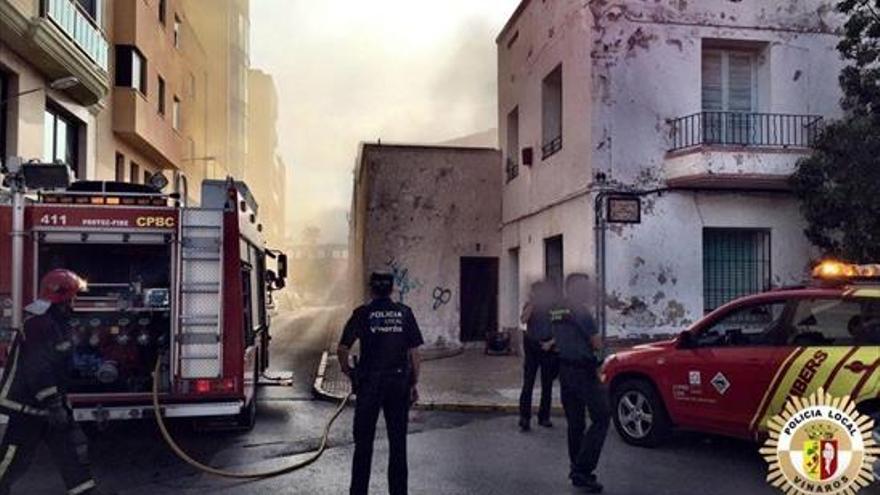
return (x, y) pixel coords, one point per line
(686, 340)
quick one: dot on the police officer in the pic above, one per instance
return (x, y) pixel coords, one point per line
(385, 379)
(32, 391)
(536, 317)
(579, 345)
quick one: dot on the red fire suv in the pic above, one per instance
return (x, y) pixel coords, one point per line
(736, 368)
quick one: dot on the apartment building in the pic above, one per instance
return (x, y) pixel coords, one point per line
(54, 76)
(684, 119)
(265, 172)
(155, 118)
(224, 30)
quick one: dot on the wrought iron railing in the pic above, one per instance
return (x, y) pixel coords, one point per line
(767, 130)
(551, 147)
(512, 168)
(80, 27)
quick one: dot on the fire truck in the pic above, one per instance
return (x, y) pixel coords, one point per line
(187, 286)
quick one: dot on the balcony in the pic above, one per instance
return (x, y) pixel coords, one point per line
(137, 122)
(59, 39)
(738, 150)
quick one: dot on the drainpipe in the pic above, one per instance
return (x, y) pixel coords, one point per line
(18, 201)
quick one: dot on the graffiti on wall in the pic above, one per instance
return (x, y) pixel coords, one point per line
(441, 296)
(402, 279)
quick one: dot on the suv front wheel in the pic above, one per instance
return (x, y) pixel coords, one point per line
(639, 414)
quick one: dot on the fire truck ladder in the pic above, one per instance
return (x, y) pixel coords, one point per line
(199, 342)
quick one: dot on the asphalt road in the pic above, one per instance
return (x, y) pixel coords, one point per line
(449, 453)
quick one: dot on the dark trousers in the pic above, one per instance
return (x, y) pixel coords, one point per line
(535, 359)
(390, 393)
(582, 390)
(67, 446)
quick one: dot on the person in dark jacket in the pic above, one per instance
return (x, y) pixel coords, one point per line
(34, 387)
(536, 317)
(580, 346)
(384, 380)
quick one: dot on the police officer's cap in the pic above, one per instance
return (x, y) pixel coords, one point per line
(381, 280)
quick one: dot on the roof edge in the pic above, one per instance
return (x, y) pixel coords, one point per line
(513, 18)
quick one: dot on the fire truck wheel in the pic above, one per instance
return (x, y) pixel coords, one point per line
(639, 414)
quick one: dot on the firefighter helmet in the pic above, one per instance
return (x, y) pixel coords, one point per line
(60, 286)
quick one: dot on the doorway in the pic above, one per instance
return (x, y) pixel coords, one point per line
(478, 298)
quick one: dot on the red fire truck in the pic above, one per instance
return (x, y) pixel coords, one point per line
(189, 287)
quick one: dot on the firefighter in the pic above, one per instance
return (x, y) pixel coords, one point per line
(32, 391)
(385, 380)
(535, 316)
(576, 338)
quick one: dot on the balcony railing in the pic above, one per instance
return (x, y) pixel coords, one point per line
(79, 27)
(512, 168)
(759, 130)
(551, 147)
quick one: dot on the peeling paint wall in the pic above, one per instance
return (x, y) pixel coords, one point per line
(635, 66)
(418, 210)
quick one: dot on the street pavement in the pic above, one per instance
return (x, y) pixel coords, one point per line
(450, 453)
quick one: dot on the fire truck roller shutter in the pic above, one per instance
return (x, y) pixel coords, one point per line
(201, 280)
(101, 238)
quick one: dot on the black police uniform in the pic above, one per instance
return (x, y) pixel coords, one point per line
(573, 326)
(387, 332)
(35, 379)
(535, 358)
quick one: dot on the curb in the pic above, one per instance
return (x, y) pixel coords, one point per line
(318, 387)
(462, 407)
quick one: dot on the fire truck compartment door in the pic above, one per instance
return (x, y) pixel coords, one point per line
(200, 339)
(101, 238)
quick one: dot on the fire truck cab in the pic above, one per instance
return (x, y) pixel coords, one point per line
(187, 286)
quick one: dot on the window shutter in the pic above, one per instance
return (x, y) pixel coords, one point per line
(740, 82)
(713, 99)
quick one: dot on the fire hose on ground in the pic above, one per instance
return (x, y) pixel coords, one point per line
(172, 444)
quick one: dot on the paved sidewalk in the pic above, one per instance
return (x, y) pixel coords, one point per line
(468, 381)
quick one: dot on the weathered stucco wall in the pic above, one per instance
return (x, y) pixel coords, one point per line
(422, 209)
(636, 66)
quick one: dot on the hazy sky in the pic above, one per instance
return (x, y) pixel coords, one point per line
(354, 70)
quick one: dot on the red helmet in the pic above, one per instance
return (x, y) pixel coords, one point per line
(60, 286)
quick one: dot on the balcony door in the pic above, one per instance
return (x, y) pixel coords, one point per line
(729, 80)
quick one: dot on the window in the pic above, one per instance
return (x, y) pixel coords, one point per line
(134, 173)
(92, 8)
(512, 160)
(553, 267)
(176, 31)
(147, 175)
(131, 68)
(61, 137)
(161, 89)
(728, 96)
(163, 11)
(551, 98)
(175, 113)
(824, 322)
(755, 325)
(120, 167)
(736, 263)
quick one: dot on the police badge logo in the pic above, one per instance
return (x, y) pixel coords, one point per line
(820, 445)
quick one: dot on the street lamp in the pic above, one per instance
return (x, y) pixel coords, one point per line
(58, 84)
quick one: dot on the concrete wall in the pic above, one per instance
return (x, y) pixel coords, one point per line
(417, 210)
(629, 69)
